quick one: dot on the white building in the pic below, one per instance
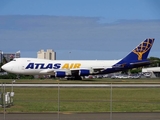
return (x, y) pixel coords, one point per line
(152, 71)
(49, 54)
(6, 57)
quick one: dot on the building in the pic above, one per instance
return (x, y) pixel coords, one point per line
(49, 54)
(152, 72)
(6, 57)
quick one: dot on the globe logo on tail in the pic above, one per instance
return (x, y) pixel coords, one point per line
(143, 48)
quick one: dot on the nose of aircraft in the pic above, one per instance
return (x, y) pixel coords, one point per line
(5, 67)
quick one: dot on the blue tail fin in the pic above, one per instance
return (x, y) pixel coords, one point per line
(140, 53)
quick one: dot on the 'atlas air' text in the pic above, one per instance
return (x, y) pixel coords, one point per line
(52, 66)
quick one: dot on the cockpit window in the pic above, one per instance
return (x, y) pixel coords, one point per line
(14, 60)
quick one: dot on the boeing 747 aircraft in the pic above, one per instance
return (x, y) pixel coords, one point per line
(76, 68)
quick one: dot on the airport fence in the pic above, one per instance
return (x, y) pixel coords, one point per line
(84, 99)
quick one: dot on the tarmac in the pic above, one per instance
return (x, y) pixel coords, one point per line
(80, 116)
(129, 85)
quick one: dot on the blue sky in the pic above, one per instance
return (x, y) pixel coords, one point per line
(79, 29)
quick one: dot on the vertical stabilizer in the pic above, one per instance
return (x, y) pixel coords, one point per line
(140, 53)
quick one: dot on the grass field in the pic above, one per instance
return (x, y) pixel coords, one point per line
(85, 100)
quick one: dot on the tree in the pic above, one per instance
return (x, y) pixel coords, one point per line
(155, 61)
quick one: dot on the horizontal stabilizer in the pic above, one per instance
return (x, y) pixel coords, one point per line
(141, 63)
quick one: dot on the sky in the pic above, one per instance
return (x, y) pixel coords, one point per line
(79, 29)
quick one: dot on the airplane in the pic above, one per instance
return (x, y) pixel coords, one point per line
(76, 69)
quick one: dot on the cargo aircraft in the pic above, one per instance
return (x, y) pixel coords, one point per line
(75, 69)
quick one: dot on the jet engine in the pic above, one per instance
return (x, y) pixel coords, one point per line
(85, 72)
(62, 73)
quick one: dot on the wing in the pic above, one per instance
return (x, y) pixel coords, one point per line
(73, 72)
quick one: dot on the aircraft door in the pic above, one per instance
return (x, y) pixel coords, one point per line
(22, 67)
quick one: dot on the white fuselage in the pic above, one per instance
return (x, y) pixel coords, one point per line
(34, 66)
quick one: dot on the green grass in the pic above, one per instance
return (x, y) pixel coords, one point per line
(85, 100)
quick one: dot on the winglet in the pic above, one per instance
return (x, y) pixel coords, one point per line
(140, 53)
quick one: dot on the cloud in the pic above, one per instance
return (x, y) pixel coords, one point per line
(65, 33)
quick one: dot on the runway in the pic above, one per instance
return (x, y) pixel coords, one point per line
(84, 85)
(82, 116)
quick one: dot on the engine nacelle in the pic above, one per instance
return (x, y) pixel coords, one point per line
(85, 72)
(62, 73)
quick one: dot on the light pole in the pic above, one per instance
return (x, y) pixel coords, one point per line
(12, 93)
(18, 52)
(69, 55)
(12, 85)
(111, 103)
(58, 100)
(4, 100)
